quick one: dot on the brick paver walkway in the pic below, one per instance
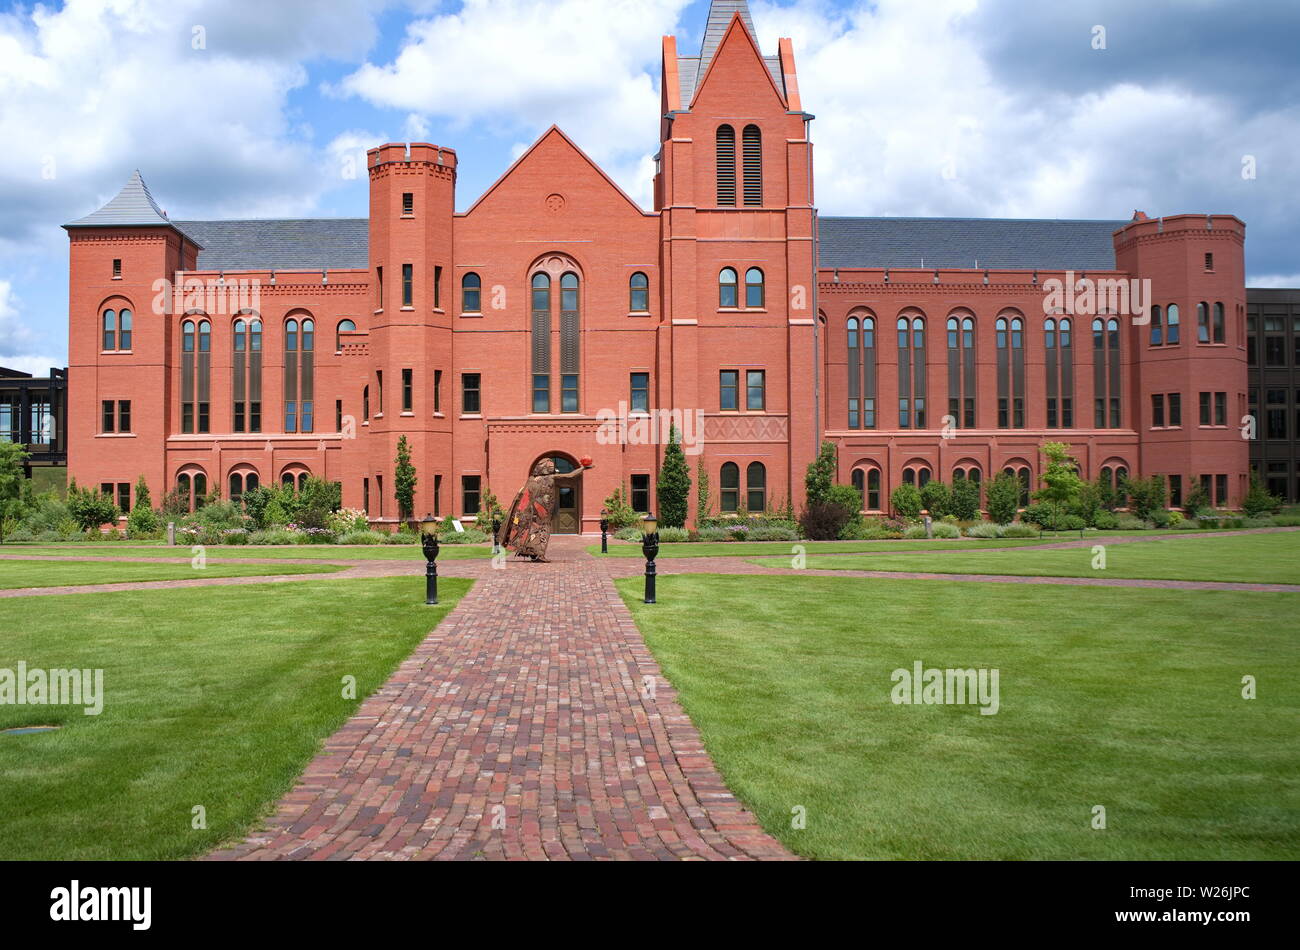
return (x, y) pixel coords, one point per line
(532, 723)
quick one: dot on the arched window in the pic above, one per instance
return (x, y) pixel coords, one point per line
(730, 482)
(345, 326)
(1106, 373)
(862, 372)
(754, 288)
(753, 145)
(192, 488)
(756, 488)
(918, 475)
(299, 375)
(570, 342)
(1220, 333)
(726, 153)
(124, 330)
(1010, 333)
(1024, 476)
(541, 355)
(295, 478)
(859, 480)
(1202, 322)
(728, 291)
(110, 330)
(873, 490)
(911, 373)
(196, 375)
(471, 294)
(241, 482)
(1059, 366)
(639, 293)
(1171, 324)
(961, 371)
(246, 382)
(1157, 327)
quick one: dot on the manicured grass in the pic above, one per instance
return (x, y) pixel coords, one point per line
(19, 574)
(214, 697)
(1268, 558)
(1129, 699)
(293, 552)
(784, 548)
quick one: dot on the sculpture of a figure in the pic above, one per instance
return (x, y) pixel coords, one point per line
(527, 528)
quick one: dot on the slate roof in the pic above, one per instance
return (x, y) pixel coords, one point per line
(967, 242)
(691, 69)
(300, 244)
(132, 206)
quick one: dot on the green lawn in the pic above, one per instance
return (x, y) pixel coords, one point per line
(1253, 558)
(784, 548)
(305, 552)
(215, 697)
(21, 574)
(1128, 699)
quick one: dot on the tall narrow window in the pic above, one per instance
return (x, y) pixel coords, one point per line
(345, 326)
(1157, 327)
(873, 490)
(753, 150)
(1171, 325)
(961, 371)
(246, 383)
(408, 285)
(911, 373)
(570, 342)
(1106, 373)
(1219, 330)
(188, 344)
(855, 378)
(408, 390)
(729, 390)
(755, 390)
(1202, 322)
(639, 293)
(541, 356)
(408, 203)
(726, 153)
(471, 294)
(729, 480)
(754, 294)
(471, 489)
(756, 488)
(728, 289)
(437, 288)
(110, 330)
(117, 268)
(108, 417)
(640, 401)
(124, 330)
(471, 394)
(437, 392)
(365, 403)
(299, 376)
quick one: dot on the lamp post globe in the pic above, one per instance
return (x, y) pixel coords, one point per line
(650, 548)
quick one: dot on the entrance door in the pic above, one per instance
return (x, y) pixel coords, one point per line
(568, 517)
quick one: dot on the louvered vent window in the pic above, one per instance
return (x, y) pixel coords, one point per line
(753, 166)
(726, 166)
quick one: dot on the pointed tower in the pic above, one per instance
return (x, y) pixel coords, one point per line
(119, 339)
(733, 186)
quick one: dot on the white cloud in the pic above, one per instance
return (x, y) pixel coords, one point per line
(1288, 281)
(511, 66)
(16, 338)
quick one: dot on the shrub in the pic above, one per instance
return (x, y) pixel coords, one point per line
(468, 536)
(404, 481)
(402, 536)
(1197, 502)
(1146, 495)
(49, 515)
(362, 537)
(1287, 521)
(632, 533)
(311, 506)
(824, 521)
(985, 529)
(348, 521)
(1258, 500)
(1003, 498)
(821, 475)
(90, 509)
(936, 498)
(1066, 523)
(1105, 520)
(1088, 505)
(674, 535)
(1186, 525)
(1039, 515)
(942, 530)
(1019, 531)
(621, 513)
(906, 500)
(773, 533)
(674, 489)
(1160, 518)
(277, 537)
(1129, 523)
(966, 499)
(705, 534)
(1259, 523)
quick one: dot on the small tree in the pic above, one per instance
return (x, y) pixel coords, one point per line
(12, 482)
(936, 497)
(490, 509)
(1197, 501)
(1004, 498)
(404, 481)
(674, 484)
(1107, 496)
(90, 509)
(965, 499)
(821, 474)
(143, 521)
(1061, 482)
(906, 500)
(702, 494)
(1145, 495)
(621, 513)
(1259, 500)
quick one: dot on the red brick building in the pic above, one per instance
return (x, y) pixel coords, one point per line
(520, 327)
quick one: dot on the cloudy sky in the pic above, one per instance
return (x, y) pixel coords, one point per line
(1000, 108)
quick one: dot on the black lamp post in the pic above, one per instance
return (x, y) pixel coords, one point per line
(650, 548)
(496, 534)
(604, 531)
(429, 539)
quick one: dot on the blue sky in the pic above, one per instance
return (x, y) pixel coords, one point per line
(1002, 108)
